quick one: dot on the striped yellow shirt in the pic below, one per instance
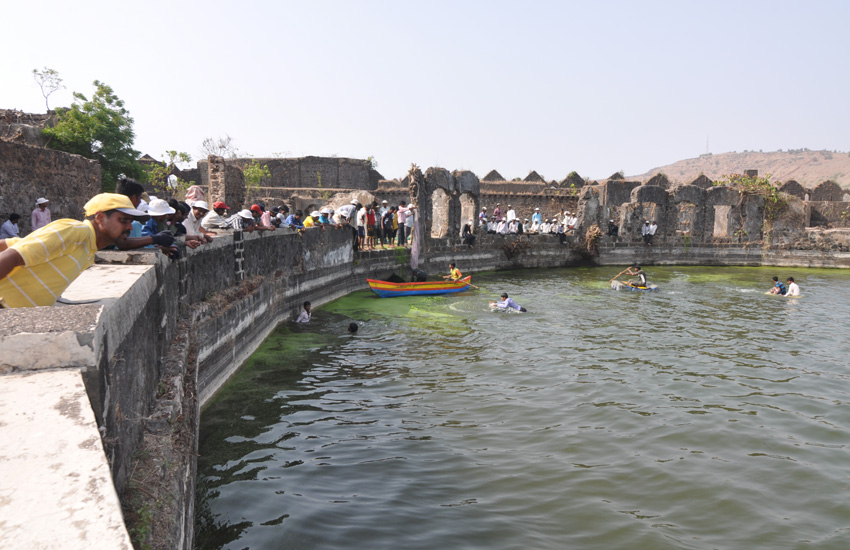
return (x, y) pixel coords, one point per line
(53, 256)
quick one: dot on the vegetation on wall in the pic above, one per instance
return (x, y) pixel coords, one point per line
(255, 173)
(48, 81)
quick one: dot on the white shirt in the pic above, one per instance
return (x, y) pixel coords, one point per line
(9, 230)
(511, 214)
(653, 228)
(303, 318)
(361, 217)
(192, 224)
(793, 290)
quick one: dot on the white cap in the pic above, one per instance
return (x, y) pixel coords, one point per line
(41, 200)
(410, 205)
(159, 207)
(354, 201)
(246, 214)
(537, 209)
(314, 214)
(383, 202)
(201, 204)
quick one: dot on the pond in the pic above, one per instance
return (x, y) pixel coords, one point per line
(706, 415)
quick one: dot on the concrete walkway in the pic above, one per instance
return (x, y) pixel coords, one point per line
(55, 485)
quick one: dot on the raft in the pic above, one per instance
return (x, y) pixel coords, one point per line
(386, 289)
(619, 285)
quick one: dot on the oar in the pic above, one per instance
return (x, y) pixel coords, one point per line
(620, 273)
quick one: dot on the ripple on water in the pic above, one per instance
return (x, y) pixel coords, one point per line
(705, 416)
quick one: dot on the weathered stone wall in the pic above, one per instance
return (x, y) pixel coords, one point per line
(27, 173)
(24, 128)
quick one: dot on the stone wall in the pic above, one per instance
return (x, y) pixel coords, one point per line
(28, 172)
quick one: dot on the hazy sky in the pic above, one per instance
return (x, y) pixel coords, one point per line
(594, 87)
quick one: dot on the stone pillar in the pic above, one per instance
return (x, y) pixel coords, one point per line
(218, 181)
(227, 183)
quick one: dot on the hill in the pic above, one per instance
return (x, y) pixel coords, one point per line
(808, 168)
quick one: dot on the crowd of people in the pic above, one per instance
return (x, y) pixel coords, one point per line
(37, 268)
(509, 223)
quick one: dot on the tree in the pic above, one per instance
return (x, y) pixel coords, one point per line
(254, 174)
(49, 81)
(99, 129)
(220, 147)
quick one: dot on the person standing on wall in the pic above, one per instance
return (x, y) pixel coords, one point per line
(41, 214)
(403, 212)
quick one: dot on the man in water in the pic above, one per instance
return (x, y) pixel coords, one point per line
(636, 271)
(508, 303)
(793, 289)
(454, 273)
(778, 287)
(305, 315)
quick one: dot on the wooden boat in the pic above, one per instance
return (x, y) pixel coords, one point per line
(619, 285)
(386, 289)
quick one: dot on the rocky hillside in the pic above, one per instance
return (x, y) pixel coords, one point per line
(808, 168)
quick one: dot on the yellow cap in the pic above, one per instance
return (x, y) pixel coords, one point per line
(111, 201)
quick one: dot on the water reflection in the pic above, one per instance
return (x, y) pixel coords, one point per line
(707, 415)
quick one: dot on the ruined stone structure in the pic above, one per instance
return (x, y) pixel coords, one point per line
(28, 172)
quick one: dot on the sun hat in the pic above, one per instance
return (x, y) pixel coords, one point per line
(159, 207)
(246, 214)
(220, 204)
(111, 201)
(201, 205)
(328, 211)
(41, 200)
(354, 201)
(383, 202)
(314, 214)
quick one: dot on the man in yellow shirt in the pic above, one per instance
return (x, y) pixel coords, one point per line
(35, 270)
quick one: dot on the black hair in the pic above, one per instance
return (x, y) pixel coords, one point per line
(306, 303)
(775, 278)
(452, 264)
(181, 206)
(128, 187)
(791, 279)
(299, 213)
(14, 217)
(352, 327)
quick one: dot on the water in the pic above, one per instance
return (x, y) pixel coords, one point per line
(707, 415)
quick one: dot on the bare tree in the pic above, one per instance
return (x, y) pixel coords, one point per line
(49, 81)
(220, 147)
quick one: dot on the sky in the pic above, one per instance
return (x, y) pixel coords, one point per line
(560, 86)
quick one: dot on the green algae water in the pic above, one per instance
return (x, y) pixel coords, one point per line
(706, 415)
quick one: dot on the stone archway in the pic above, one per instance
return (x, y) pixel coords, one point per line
(440, 208)
(468, 212)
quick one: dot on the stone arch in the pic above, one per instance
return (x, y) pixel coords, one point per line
(723, 212)
(793, 188)
(703, 182)
(827, 191)
(440, 209)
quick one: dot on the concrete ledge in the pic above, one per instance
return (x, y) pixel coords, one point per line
(56, 489)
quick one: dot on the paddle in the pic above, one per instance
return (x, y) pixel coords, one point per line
(618, 274)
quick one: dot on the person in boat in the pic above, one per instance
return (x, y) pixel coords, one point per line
(793, 288)
(639, 276)
(454, 273)
(508, 303)
(778, 287)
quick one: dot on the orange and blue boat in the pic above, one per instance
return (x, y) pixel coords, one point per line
(386, 289)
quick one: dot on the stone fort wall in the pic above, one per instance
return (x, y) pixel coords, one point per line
(28, 172)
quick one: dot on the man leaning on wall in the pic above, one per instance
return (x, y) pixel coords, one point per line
(35, 270)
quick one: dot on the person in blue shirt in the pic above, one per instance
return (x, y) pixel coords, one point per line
(778, 287)
(294, 220)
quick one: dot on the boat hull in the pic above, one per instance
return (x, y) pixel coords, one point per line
(386, 289)
(618, 285)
